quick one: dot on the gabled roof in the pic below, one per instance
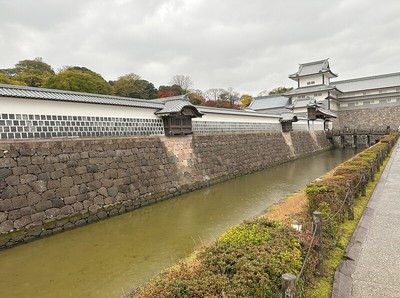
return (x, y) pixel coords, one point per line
(312, 89)
(71, 96)
(176, 106)
(327, 113)
(288, 117)
(312, 68)
(367, 83)
(268, 102)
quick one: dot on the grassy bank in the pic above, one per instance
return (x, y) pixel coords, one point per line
(248, 260)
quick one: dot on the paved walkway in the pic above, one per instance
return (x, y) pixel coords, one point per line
(372, 265)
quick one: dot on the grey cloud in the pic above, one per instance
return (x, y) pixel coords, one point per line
(250, 46)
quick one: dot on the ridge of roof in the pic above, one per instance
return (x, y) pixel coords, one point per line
(73, 96)
(367, 78)
(314, 62)
(313, 88)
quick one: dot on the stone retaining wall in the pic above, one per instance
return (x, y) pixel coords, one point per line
(50, 186)
(378, 118)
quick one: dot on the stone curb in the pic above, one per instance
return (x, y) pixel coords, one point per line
(343, 281)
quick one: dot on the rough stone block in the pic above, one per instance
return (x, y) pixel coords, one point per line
(26, 211)
(72, 164)
(3, 217)
(39, 186)
(23, 161)
(99, 200)
(66, 210)
(43, 205)
(92, 168)
(33, 169)
(4, 173)
(62, 192)
(9, 192)
(24, 221)
(57, 203)
(27, 178)
(112, 191)
(67, 181)
(83, 188)
(49, 195)
(56, 175)
(14, 214)
(7, 163)
(88, 177)
(52, 212)
(40, 216)
(12, 180)
(47, 168)
(27, 151)
(81, 170)
(78, 206)
(44, 176)
(95, 185)
(53, 184)
(77, 179)
(70, 200)
(6, 226)
(106, 182)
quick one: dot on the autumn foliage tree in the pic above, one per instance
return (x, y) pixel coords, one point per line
(245, 100)
(168, 91)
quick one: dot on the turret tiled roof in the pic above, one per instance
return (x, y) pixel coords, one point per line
(311, 68)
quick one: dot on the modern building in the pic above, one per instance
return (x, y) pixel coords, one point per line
(362, 103)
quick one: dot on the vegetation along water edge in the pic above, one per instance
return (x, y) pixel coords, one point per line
(249, 260)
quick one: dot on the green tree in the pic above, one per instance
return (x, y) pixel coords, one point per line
(245, 100)
(4, 79)
(131, 85)
(79, 79)
(280, 90)
(34, 73)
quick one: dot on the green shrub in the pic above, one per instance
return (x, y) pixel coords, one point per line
(247, 261)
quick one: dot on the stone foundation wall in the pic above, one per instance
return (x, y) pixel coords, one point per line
(378, 118)
(50, 186)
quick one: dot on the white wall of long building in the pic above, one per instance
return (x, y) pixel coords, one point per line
(22, 118)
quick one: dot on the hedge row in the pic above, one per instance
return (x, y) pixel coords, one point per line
(249, 260)
(327, 195)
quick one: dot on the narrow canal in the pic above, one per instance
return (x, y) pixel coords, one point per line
(109, 257)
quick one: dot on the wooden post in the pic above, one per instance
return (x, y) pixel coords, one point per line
(372, 170)
(363, 183)
(377, 162)
(355, 139)
(289, 286)
(368, 140)
(317, 228)
(349, 200)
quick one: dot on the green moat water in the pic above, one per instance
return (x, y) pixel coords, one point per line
(106, 258)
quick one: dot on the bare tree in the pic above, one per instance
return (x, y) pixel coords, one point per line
(230, 95)
(214, 94)
(183, 81)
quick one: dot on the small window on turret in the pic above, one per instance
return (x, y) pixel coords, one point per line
(311, 83)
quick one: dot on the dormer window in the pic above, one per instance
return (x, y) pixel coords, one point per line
(311, 83)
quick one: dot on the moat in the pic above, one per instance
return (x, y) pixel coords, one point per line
(106, 258)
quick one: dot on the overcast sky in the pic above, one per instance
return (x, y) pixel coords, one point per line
(249, 45)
